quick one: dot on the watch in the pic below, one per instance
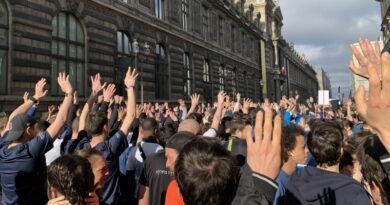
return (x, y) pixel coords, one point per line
(35, 101)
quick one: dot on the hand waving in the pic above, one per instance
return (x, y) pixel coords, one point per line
(368, 57)
(40, 90)
(131, 77)
(64, 83)
(97, 86)
(108, 92)
(264, 153)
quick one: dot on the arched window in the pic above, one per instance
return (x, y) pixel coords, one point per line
(187, 75)
(162, 76)
(4, 26)
(222, 75)
(67, 49)
(207, 84)
(124, 59)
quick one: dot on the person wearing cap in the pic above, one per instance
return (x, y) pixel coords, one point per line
(22, 149)
(173, 147)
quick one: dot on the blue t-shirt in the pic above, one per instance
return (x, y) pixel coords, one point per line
(282, 180)
(111, 149)
(23, 170)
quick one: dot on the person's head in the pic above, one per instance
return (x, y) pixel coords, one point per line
(70, 176)
(189, 125)
(22, 128)
(237, 127)
(196, 116)
(206, 173)
(165, 132)
(98, 165)
(149, 127)
(42, 125)
(96, 123)
(369, 152)
(325, 143)
(293, 143)
(174, 145)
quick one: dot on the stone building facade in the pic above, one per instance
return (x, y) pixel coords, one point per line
(180, 46)
(323, 81)
(286, 70)
(385, 25)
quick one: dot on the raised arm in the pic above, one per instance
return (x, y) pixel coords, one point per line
(130, 80)
(97, 87)
(194, 102)
(218, 112)
(40, 92)
(66, 87)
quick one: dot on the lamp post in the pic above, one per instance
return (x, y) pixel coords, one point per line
(146, 52)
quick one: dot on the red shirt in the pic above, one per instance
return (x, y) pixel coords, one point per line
(173, 196)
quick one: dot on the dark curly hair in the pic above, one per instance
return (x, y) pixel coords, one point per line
(289, 135)
(72, 176)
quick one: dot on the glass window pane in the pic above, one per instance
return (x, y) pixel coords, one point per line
(72, 51)
(62, 25)
(72, 28)
(54, 25)
(80, 52)
(54, 47)
(80, 79)
(62, 49)
(3, 71)
(126, 44)
(80, 33)
(119, 41)
(61, 66)
(3, 14)
(54, 74)
(72, 73)
(4, 37)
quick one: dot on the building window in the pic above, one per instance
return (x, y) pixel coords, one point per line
(243, 42)
(3, 47)
(124, 59)
(232, 37)
(205, 23)
(67, 49)
(234, 81)
(206, 71)
(222, 75)
(187, 75)
(159, 8)
(185, 14)
(162, 76)
(220, 30)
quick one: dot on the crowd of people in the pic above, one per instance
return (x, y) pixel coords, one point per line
(233, 151)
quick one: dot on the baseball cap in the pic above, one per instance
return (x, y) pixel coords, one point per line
(179, 140)
(17, 126)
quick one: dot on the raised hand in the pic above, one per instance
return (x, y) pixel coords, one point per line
(221, 97)
(25, 96)
(40, 91)
(131, 77)
(195, 99)
(376, 109)
(264, 153)
(64, 83)
(108, 92)
(97, 86)
(138, 111)
(368, 57)
(238, 97)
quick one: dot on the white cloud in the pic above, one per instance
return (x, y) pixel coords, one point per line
(323, 30)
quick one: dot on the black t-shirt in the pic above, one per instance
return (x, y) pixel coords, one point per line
(237, 148)
(157, 177)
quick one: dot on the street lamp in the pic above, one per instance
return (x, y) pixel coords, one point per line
(146, 52)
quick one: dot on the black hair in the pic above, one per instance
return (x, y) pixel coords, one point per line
(72, 176)
(196, 116)
(206, 173)
(165, 132)
(289, 141)
(95, 122)
(325, 143)
(149, 124)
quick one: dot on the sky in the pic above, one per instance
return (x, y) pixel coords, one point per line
(324, 29)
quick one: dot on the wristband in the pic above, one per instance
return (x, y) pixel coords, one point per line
(35, 101)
